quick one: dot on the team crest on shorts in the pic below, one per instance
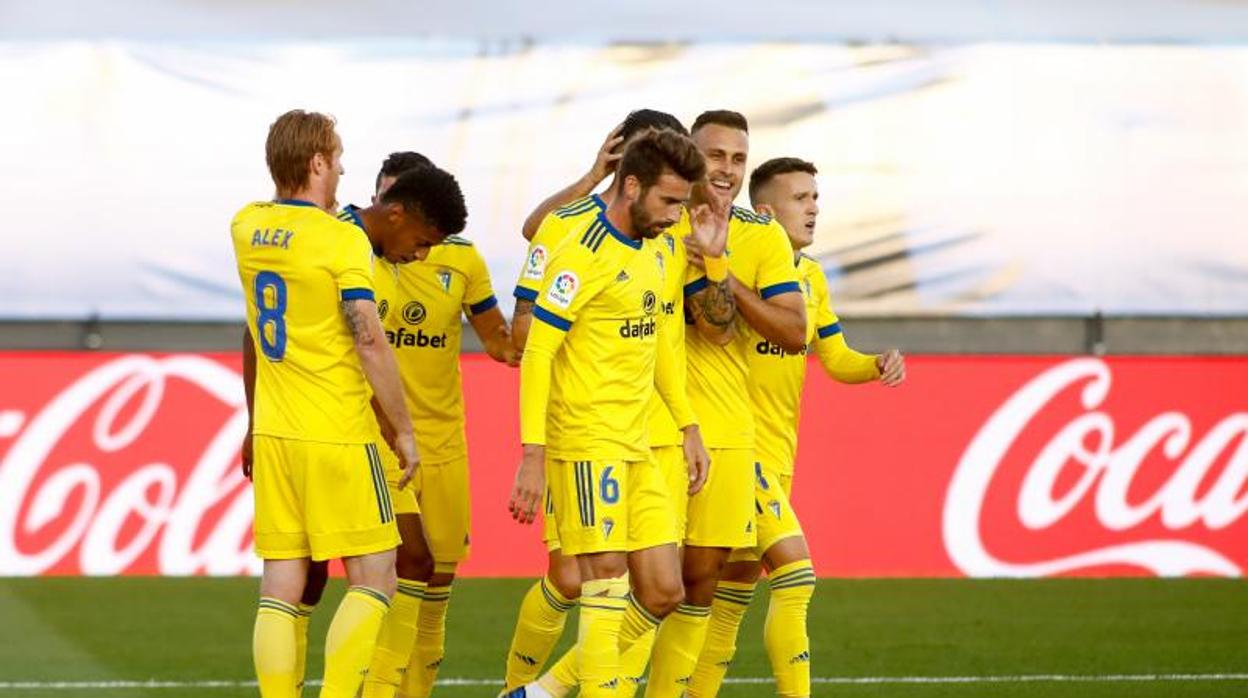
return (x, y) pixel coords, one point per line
(414, 313)
(775, 508)
(608, 525)
(444, 278)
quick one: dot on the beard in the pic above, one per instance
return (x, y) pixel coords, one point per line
(646, 226)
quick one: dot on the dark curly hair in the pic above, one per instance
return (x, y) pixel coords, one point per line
(434, 194)
(775, 167)
(398, 163)
(641, 119)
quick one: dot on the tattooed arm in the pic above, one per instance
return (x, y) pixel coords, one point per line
(712, 309)
(382, 372)
(521, 318)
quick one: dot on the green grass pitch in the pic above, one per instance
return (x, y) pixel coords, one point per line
(70, 630)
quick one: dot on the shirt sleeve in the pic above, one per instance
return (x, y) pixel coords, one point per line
(839, 360)
(671, 381)
(479, 294)
(535, 370)
(571, 280)
(776, 272)
(537, 257)
(353, 268)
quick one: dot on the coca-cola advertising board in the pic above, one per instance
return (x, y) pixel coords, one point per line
(977, 466)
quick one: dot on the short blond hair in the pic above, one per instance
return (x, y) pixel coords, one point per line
(293, 140)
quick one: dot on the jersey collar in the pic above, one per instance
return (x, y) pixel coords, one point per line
(635, 244)
(353, 211)
(295, 202)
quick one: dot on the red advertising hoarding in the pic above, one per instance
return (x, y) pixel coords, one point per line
(977, 466)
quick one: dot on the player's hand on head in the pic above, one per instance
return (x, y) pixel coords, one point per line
(247, 455)
(608, 158)
(409, 457)
(530, 485)
(892, 367)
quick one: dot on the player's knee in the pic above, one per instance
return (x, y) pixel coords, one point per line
(661, 598)
(412, 564)
(566, 577)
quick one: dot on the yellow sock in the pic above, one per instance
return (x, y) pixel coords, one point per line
(636, 641)
(542, 616)
(395, 641)
(676, 649)
(301, 642)
(727, 610)
(351, 640)
(273, 648)
(784, 633)
(430, 646)
(602, 612)
(564, 675)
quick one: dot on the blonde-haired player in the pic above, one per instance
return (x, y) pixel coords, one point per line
(785, 189)
(317, 353)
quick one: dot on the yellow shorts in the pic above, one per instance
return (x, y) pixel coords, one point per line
(608, 506)
(320, 500)
(446, 506)
(404, 500)
(671, 461)
(774, 516)
(721, 514)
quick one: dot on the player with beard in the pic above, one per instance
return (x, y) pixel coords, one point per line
(785, 189)
(545, 607)
(590, 364)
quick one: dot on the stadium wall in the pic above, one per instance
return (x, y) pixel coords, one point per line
(115, 463)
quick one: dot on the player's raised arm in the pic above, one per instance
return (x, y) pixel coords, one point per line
(777, 310)
(604, 164)
(708, 296)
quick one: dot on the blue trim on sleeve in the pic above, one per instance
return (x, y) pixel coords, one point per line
(829, 330)
(295, 202)
(696, 285)
(357, 294)
(635, 244)
(777, 289)
(483, 305)
(524, 294)
(551, 319)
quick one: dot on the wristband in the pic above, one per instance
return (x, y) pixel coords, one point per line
(716, 268)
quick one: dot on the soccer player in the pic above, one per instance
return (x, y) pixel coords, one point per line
(544, 609)
(754, 283)
(423, 323)
(590, 364)
(785, 189)
(318, 349)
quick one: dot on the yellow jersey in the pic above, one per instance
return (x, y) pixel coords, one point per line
(760, 257)
(421, 304)
(555, 228)
(297, 264)
(776, 377)
(592, 359)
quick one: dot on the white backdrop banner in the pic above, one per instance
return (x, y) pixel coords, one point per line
(968, 180)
